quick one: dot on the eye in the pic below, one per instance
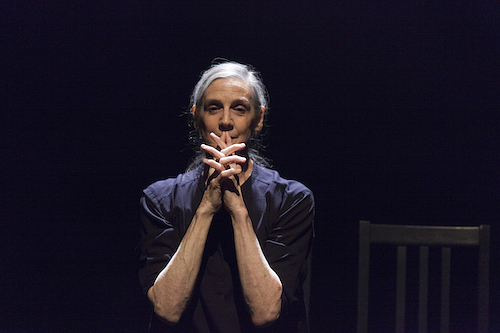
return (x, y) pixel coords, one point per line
(212, 108)
(240, 109)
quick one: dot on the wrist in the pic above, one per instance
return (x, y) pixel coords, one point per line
(206, 210)
(239, 213)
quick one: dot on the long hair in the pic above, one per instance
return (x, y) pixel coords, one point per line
(249, 75)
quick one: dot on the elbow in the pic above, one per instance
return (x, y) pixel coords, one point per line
(164, 312)
(266, 318)
(269, 313)
(168, 317)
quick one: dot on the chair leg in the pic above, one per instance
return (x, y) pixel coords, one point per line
(484, 274)
(363, 276)
(401, 290)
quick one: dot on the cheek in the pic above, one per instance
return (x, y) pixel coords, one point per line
(254, 123)
(198, 124)
(202, 123)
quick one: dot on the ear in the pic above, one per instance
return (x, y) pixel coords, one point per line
(260, 123)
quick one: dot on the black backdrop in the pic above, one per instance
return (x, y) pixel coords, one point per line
(387, 110)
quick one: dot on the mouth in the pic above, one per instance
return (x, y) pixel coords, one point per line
(225, 136)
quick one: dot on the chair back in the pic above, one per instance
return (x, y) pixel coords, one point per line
(402, 236)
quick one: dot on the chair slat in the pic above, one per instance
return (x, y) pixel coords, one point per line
(423, 288)
(445, 289)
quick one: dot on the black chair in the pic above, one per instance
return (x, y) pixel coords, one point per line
(424, 237)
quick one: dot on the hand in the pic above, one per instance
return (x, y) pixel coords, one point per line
(223, 181)
(224, 162)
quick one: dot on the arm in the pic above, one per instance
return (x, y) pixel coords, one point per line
(174, 285)
(286, 247)
(261, 285)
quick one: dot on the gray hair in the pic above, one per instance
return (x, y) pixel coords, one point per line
(229, 69)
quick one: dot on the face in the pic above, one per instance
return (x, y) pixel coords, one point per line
(228, 107)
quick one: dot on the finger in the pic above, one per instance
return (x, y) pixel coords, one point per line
(212, 151)
(233, 159)
(218, 140)
(233, 148)
(213, 164)
(226, 138)
(234, 171)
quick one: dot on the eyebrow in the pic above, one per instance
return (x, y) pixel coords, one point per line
(211, 101)
(216, 101)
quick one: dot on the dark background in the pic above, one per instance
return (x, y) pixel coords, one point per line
(387, 110)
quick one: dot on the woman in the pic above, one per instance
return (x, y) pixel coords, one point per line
(225, 244)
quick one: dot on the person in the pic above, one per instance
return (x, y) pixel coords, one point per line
(226, 245)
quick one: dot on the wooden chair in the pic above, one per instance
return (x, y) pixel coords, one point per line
(424, 237)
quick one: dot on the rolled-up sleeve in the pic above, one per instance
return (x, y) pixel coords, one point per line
(159, 239)
(289, 243)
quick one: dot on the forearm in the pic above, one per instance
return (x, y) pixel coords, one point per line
(174, 285)
(261, 285)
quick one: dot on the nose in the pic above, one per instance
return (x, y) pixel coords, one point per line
(226, 122)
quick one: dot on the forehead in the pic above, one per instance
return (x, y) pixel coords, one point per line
(228, 88)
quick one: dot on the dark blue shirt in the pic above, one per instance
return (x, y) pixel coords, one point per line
(282, 213)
